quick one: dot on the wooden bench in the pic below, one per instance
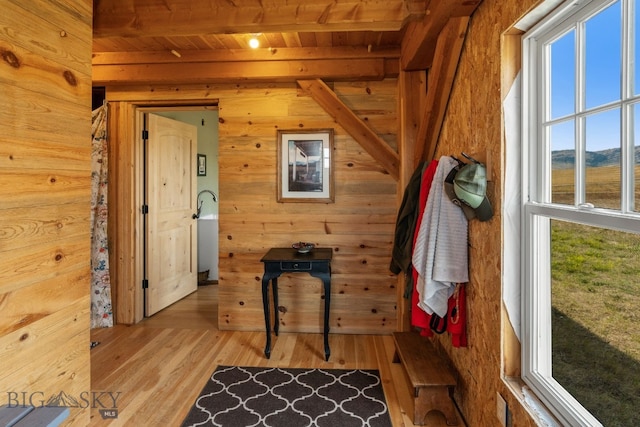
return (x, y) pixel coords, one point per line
(431, 378)
(30, 416)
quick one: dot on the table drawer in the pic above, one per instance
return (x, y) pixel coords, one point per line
(295, 266)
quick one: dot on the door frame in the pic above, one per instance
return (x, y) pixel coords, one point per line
(126, 199)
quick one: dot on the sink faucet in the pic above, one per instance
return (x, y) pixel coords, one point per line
(200, 202)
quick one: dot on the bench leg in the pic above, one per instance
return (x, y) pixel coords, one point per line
(432, 398)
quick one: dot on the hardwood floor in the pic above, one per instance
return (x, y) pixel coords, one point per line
(159, 366)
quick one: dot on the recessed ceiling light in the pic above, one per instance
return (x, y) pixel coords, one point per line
(254, 43)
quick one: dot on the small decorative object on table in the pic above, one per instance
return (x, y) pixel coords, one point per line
(303, 247)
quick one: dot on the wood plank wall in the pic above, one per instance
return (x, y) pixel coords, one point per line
(473, 124)
(45, 153)
(359, 226)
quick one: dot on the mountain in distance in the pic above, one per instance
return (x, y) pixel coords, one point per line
(565, 159)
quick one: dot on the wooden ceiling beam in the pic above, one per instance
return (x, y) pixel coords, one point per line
(419, 41)
(439, 84)
(239, 55)
(234, 72)
(166, 18)
(357, 128)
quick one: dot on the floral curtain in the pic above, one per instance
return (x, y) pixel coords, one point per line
(101, 312)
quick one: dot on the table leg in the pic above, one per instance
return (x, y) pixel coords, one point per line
(327, 303)
(324, 273)
(276, 313)
(265, 303)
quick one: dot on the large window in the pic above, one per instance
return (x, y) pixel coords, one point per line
(581, 212)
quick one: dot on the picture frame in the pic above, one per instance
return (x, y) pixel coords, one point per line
(202, 165)
(305, 166)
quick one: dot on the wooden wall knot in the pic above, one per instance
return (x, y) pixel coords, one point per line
(70, 78)
(10, 58)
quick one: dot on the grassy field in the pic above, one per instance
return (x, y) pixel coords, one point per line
(596, 305)
(603, 186)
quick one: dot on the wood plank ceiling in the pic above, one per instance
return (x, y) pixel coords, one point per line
(207, 40)
(220, 24)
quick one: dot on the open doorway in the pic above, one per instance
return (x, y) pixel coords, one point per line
(201, 226)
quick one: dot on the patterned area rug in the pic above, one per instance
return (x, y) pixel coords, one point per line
(275, 397)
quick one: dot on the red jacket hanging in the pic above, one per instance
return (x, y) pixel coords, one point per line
(455, 321)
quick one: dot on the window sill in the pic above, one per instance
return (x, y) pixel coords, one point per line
(534, 407)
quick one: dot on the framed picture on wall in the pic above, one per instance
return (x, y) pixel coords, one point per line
(202, 165)
(305, 165)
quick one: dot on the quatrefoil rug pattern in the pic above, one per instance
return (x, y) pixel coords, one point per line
(276, 397)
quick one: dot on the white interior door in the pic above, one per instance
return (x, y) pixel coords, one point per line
(171, 261)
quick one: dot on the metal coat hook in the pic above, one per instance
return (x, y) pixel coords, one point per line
(468, 157)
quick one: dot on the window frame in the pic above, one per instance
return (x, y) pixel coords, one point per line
(537, 210)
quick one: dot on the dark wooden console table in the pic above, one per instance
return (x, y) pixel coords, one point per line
(287, 260)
